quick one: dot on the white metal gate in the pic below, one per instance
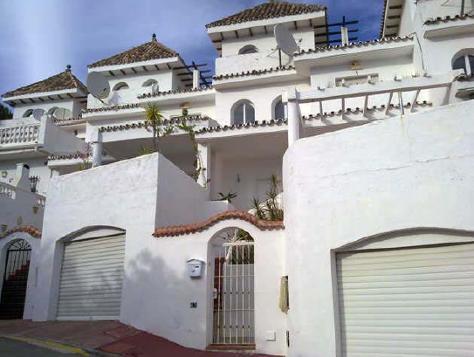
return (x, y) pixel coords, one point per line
(234, 294)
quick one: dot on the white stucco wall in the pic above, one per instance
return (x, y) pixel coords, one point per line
(73, 105)
(165, 79)
(262, 97)
(137, 195)
(247, 177)
(340, 187)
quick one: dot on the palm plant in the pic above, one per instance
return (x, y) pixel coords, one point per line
(154, 120)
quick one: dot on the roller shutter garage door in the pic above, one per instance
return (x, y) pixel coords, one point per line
(407, 302)
(91, 279)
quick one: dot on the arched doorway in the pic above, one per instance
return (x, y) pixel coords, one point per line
(233, 296)
(15, 279)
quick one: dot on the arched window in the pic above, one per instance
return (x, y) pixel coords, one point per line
(278, 109)
(464, 60)
(243, 112)
(120, 86)
(248, 49)
(150, 82)
(28, 113)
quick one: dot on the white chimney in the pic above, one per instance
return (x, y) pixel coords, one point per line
(22, 175)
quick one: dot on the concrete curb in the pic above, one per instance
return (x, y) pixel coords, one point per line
(52, 345)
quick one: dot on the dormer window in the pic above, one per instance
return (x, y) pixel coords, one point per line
(248, 49)
(464, 60)
(243, 112)
(120, 86)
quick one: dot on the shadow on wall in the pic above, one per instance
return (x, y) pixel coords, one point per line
(159, 298)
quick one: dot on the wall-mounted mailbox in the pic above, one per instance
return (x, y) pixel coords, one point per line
(195, 267)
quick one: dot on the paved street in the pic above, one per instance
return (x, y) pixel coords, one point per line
(13, 348)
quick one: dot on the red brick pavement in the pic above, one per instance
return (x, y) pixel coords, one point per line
(106, 336)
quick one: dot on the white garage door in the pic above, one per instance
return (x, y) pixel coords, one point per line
(91, 279)
(407, 302)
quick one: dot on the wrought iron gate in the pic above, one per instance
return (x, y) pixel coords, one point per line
(234, 294)
(15, 279)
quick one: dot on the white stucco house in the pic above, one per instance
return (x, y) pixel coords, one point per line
(368, 147)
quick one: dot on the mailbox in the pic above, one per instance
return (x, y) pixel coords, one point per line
(195, 267)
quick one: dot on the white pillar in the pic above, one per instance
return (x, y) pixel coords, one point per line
(96, 153)
(344, 35)
(94, 139)
(204, 151)
(293, 116)
(196, 75)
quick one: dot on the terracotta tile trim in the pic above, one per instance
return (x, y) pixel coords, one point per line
(175, 91)
(185, 229)
(114, 108)
(255, 124)
(141, 124)
(255, 72)
(448, 19)
(31, 230)
(356, 44)
(358, 110)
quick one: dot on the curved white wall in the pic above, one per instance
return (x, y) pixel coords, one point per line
(340, 187)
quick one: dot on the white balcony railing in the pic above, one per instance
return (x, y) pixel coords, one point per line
(23, 134)
(42, 135)
(7, 190)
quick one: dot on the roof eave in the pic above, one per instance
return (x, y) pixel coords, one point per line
(391, 17)
(118, 67)
(74, 92)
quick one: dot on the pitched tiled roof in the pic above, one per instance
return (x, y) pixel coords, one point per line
(267, 10)
(148, 51)
(172, 231)
(61, 81)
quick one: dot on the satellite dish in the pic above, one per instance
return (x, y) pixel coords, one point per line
(38, 113)
(285, 40)
(61, 113)
(98, 85)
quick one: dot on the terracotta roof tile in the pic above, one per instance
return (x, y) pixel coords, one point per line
(267, 10)
(61, 81)
(33, 231)
(173, 231)
(148, 51)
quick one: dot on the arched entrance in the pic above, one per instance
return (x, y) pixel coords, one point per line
(15, 279)
(233, 296)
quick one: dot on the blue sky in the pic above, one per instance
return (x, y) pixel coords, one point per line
(38, 38)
